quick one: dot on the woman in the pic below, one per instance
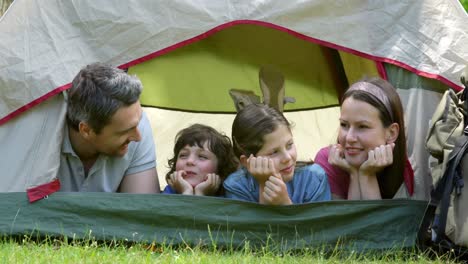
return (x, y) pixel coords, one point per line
(369, 161)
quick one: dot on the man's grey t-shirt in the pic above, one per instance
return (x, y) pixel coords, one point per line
(107, 172)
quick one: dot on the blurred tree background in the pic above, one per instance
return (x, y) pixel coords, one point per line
(465, 4)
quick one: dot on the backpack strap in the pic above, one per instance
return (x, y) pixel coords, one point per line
(451, 179)
(440, 195)
(464, 94)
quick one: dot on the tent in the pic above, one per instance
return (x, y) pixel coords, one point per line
(188, 55)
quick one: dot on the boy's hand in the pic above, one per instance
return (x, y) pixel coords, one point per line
(179, 184)
(210, 186)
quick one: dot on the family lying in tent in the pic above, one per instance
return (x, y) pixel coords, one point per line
(108, 147)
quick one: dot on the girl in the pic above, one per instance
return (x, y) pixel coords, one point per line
(262, 139)
(369, 161)
(203, 158)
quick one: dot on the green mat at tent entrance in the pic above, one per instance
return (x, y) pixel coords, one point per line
(176, 219)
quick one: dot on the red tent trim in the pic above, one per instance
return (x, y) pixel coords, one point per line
(210, 32)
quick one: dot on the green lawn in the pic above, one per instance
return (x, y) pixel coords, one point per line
(58, 251)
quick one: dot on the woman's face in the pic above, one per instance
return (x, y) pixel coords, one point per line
(361, 130)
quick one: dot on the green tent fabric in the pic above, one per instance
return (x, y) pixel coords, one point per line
(197, 77)
(350, 225)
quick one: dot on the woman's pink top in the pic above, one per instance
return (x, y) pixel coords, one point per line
(339, 179)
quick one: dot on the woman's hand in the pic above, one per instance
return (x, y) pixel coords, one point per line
(368, 185)
(179, 184)
(337, 158)
(275, 191)
(210, 186)
(261, 168)
(377, 160)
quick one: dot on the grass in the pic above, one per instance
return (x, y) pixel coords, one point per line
(49, 250)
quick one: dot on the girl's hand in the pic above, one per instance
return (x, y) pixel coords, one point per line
(179, 184)
(336, 158)
(261, 168)
(210, 186)
(377, 160)
(275, 191)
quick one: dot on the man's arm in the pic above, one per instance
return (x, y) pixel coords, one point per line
(141, 182)
(142, 176)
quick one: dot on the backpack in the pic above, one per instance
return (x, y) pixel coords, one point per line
(446, 218)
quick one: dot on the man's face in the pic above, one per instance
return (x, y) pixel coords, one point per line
(114, 138)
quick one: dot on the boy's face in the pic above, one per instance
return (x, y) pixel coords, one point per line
(197, 162)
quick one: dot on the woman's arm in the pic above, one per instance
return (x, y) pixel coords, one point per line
(377, 160)
(354, 188)
(369, 187)
(363, 187)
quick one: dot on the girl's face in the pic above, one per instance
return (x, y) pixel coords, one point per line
(197, 163)
(279, 146)
(361, 130)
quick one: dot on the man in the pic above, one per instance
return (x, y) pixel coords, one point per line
(108, 144)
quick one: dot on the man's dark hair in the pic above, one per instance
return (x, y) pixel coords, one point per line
(97, 92)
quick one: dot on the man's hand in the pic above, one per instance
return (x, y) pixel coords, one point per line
(179, 184)
(210, 186)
